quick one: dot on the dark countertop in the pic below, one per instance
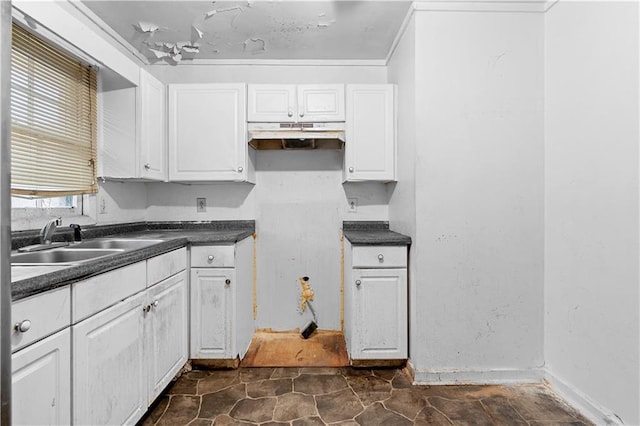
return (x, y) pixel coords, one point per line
(373, 233)
(30, 280)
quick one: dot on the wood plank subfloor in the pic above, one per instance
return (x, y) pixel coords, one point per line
(324, 348)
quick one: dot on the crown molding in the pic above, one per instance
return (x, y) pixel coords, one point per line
(282, 62)
(108, 31)
(536, 6)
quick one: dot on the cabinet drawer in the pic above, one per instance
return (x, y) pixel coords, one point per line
(47, 312)
(95, 294)
(379, 257)
(212, 256)
(166, 265)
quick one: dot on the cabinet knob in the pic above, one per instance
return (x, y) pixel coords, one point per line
(380, 258)
(23, 326)
(240, 169)
(358, 282)
(227, 281)
(146, 308)
(302, 114)
(350, 169)
(155, 303)
(290, 113)
(147, 166)
(210, 258)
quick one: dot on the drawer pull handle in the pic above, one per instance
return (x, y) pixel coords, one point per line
(358, 282)
(381, 258)
(227, 281)
(210, 258)
(23, 326)
(147, 166)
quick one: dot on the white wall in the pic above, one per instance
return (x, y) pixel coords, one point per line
(591, 158)
(118, 202)
(402, 200)
(298, 201)
(478, 255)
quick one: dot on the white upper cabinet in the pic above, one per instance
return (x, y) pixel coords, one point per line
(271, 103)
(287, 103)
(208, 133)
(152, 101)
(133, 131)
(370, 147)
(318, 103)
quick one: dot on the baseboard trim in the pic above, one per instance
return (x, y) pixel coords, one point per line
(479, 377)
(594, 412)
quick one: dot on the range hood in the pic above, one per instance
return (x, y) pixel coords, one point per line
(296, 135)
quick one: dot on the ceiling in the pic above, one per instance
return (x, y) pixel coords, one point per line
(183, 31)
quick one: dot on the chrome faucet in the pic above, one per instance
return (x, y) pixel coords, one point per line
(47, 230)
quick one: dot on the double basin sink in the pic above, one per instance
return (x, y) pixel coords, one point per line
(78, 253)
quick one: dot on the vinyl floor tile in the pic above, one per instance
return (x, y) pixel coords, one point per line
(345, 396)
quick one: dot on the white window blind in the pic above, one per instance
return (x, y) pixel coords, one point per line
(53, 120)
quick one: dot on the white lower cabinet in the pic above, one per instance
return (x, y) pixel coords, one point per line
(212, 303)
(41, 380)
(379, 314)
(376, 319)
(41, 359)
(109, 366)
(221, 300)
(124, 355)
(166, 330)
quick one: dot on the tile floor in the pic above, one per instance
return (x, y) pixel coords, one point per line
(346, 396)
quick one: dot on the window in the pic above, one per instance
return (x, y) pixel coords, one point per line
(53, 121)
(66, 202)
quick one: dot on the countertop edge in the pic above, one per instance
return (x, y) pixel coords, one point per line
(69, 275)
(375, 236)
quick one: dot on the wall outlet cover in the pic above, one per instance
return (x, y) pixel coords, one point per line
(102, 206)
(201, 205)
(353, 205)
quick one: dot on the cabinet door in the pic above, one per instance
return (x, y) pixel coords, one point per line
(317, 103)
(109, 369)
(379, 314)
(166, 332)
(152, 126)
(41, 380)
(208, 132)
(212, 312)
(117, 144)
(271, 103)
(370, 147)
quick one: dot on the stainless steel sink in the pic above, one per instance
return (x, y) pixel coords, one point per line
(116, 243)
(59, 256)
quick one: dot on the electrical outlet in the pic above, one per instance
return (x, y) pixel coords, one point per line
(353, 205)
(201, 205)
(102, 206)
